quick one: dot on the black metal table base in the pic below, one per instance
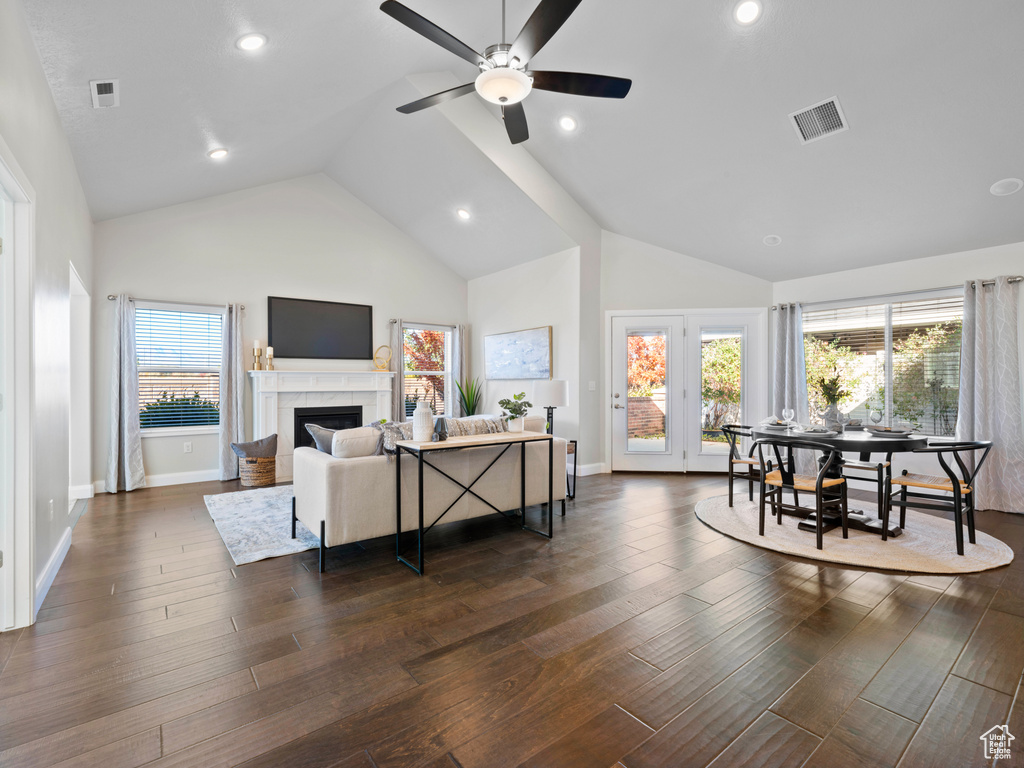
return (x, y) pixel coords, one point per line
(521, 516)
(856, 519)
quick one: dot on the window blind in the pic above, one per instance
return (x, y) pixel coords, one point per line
(179, 367)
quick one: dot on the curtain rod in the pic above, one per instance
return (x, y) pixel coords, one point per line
(111, 297)
(1011, 279)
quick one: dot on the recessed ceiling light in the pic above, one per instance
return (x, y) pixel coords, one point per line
(218, 154)
(567, 123)
(251, 42)
(462, 213)
(747, 11)
(1006, 187)
(772, 240)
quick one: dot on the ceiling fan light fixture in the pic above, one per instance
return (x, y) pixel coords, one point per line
(567, 123)
(503, 85)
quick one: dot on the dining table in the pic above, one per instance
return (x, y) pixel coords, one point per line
(863, 441)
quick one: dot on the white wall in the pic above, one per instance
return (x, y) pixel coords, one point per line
(638, 275)
(304, 238)
(31, 129)
(80, 396)
(542, 292)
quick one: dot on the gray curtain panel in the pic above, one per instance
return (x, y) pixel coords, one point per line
(232, 391)
(397, 367)
(790, 368)
(990, 391)
(458, 366)
(124, 454)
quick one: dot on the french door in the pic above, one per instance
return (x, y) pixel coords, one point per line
(676, 378)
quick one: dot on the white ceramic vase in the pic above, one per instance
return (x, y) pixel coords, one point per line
(516, 425)
(422, 422)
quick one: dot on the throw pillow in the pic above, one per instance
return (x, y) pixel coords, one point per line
(349, 443)
(257, 449)
(476, 425)
(322, 436)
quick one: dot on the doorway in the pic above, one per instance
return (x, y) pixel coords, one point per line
(676, 378)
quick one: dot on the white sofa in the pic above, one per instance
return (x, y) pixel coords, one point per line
(343, 500)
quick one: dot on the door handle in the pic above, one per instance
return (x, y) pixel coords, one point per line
(618, 406)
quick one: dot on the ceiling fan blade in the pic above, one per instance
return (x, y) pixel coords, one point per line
(547, 18)
(431, 31)
(582, 84)
(437, 98)
(515, 123)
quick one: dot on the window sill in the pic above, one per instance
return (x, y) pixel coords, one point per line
(178, 431)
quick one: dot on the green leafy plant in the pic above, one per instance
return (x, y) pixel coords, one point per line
(470, 394)
(831, 388)
(516, 407)
(179, 411)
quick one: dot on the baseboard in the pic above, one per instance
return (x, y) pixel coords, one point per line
(182, 478)
(80, 492)
(171, 478)
(45, 580)
(593, 469)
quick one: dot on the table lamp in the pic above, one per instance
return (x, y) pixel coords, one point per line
(551, 394)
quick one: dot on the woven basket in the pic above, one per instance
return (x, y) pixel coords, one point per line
(258, 472)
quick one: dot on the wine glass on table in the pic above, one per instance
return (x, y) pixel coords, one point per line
(787, 415)
(875, 416)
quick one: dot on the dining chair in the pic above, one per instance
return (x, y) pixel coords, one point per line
(735, 433)
(782, 478)
(958, 483)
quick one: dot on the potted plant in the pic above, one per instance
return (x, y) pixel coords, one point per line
(514, 411)
(832, 391)
(470, 394)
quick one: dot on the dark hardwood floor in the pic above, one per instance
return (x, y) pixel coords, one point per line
(637, 637)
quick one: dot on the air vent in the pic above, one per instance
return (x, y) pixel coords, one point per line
(105, 93)
(819, 121)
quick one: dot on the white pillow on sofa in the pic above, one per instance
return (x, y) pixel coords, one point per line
(350, 443)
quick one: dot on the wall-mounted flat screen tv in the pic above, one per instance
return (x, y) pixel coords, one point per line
(321, 330)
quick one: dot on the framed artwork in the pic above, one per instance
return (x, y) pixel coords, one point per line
(519, 354)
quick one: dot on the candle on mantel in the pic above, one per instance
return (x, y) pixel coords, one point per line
(270, 351)
(256, 347)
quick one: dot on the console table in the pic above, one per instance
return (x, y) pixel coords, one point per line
(507, 439)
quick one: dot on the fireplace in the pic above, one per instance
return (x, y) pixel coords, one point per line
(329, 417)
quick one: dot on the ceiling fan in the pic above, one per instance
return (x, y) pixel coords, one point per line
(504, 78)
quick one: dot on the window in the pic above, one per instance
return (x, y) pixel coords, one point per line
(179, 355)
(426, 353)
(899, 359)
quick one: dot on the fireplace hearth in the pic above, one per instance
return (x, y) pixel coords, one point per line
(329, 417)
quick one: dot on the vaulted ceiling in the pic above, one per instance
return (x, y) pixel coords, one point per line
(701, 158)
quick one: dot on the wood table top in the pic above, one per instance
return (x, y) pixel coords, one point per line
(468, 441)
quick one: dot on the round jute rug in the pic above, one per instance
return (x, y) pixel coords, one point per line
(927, 545)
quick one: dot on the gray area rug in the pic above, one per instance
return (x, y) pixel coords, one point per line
(927, 545)
(257, 524)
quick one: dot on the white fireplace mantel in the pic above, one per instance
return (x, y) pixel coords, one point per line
(276, 395)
